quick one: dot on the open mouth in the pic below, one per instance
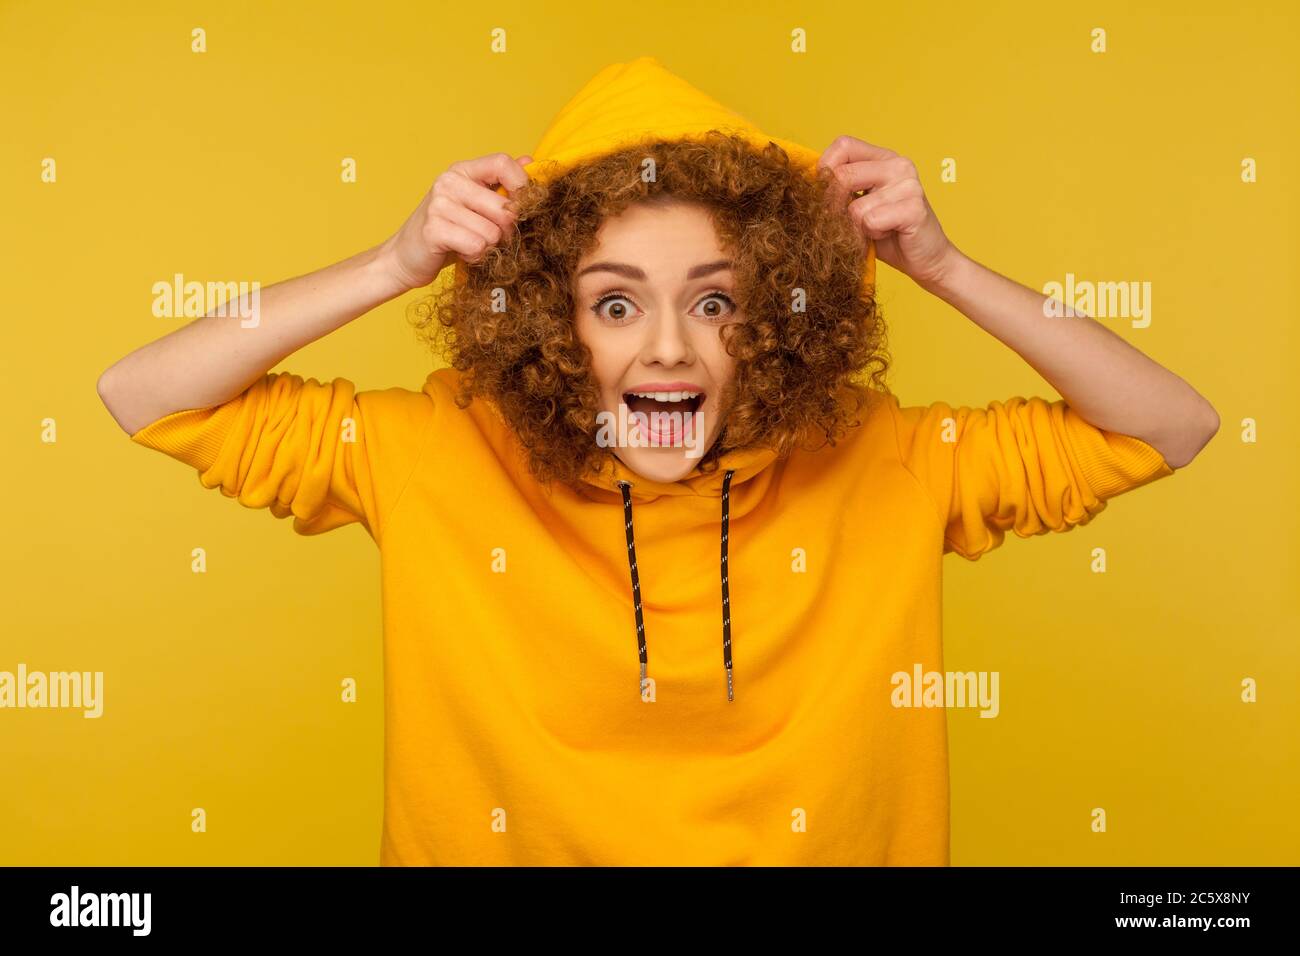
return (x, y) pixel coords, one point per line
(648, 403)
(665, 418)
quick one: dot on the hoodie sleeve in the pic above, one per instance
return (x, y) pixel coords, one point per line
(321, 453)
(1026, 465)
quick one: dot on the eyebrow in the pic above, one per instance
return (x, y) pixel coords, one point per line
(632, 272)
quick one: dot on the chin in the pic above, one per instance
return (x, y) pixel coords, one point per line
(663, 465)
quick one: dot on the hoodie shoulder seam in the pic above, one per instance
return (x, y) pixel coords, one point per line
(892, 401)
(419, 456)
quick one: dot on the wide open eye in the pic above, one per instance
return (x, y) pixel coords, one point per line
(717, 306)
(620, 309)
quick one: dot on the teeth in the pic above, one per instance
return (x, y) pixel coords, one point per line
(667, 396)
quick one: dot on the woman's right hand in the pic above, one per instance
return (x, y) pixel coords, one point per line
(460, 217)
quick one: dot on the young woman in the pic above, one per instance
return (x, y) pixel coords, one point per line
(657, 542)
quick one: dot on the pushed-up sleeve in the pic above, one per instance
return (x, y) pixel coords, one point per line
(321, 453)
(1029, 466)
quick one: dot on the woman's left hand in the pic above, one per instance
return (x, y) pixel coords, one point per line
(893, 212)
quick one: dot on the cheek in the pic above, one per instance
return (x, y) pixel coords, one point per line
(606, 363)
(720, 362)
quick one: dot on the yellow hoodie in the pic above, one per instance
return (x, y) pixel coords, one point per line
(516, 727)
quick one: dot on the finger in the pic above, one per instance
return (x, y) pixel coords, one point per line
(880, 220)
(465, 244)
(495, 169)
(522, 161)
(850, 149)
(893, 191)
(849, 178)
(484, 232)
(488, 203)
(873, 175)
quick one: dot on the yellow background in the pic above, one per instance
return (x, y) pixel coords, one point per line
(1119, 690)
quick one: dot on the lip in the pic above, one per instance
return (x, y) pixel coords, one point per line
(666, 387)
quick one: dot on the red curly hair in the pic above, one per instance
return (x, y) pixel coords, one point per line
(794, 368)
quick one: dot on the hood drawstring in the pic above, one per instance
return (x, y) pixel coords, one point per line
(626, 487)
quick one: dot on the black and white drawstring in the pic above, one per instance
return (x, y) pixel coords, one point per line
(626, 487)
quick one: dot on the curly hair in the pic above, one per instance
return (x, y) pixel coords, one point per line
(812, 334)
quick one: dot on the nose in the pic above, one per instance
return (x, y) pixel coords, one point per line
(667, 341)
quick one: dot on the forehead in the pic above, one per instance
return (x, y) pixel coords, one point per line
(662, 240)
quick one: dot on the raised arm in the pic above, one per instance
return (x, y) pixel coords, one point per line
(1105, 380)
(216, 357)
